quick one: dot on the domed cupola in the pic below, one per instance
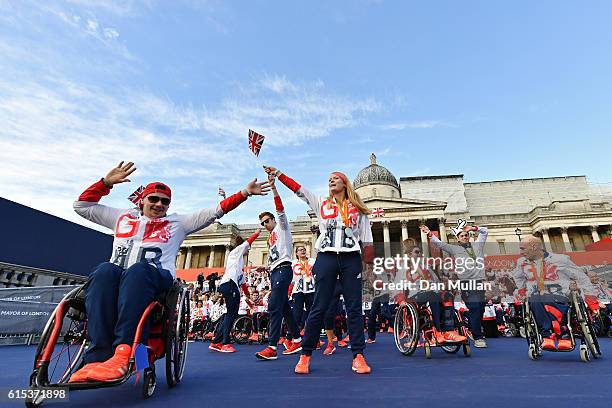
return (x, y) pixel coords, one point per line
(376, 181)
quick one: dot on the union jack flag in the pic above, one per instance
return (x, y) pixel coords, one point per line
(221, 192)
(136, 196)
(255, 142)
(378, 212)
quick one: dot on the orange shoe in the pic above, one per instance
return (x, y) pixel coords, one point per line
(208, 336)
(360, 366)
(227, 348)
(453, 337)
(267, 354)
(215, 346)
(548, 343)
(439, 336)
(254, 337)
(293, 348)
(114, 368)
(371, 341)
(287, 344)
(390, 330)
(343, 342)
(564, 345)
(302, 367)
(329, 350)
(82, 374)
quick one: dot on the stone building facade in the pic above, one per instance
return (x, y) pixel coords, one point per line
(567, 212)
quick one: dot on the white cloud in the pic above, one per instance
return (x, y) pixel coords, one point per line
(424, 124)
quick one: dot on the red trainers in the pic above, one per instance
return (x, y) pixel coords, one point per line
(564, 345)
(548, 343)
(287, 344)
(293, 348)
(440, 339)
(453, 337)
(360, 366)
(329, 350)
(227, 348)
(254, 337)
(302, 367)
(114, 368)
(82, 374)
(215, 346)
(390, 330)
(267, 354)
(343, 342)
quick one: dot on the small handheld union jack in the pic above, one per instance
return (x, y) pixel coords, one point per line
(136, 196)
(255, 142)
(378, 212)
(221, 192)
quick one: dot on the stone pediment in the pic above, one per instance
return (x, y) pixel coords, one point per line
(389, 203)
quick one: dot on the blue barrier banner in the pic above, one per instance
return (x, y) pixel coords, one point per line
(26, 310)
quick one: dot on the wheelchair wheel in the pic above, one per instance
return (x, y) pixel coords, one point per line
(406, 329)
(149, 382)
(69, 345)
(586, 326)
(532, 334)
(584, 353)
(461, 329)
(177, 339)
(242, 329)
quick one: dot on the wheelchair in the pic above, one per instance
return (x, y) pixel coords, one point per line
(579, 324)
(414, 323)
(64, 340)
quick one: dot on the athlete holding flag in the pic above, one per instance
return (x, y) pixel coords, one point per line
(344, 224)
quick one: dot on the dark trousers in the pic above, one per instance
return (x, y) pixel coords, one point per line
(278, 306)
(334, 308)
(230, 293)
(441, 307)
(380, 311)
(549, 310)
(260, 321)
(327, 268)
(475, 302)
(301, 301)
(115, 300)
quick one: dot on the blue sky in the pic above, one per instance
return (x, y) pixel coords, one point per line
(487, 89)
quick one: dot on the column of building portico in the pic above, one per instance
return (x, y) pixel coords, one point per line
(566, 241)
(442, 228)
(188, 258)
(546, 239)
(211, 259)
(594, 233)
(424, 241)
(404, 224)
(386, 239)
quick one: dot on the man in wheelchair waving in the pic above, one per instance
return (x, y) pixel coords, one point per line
(546, 279)
(142, 266)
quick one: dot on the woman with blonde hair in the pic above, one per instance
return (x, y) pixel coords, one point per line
(344, 224)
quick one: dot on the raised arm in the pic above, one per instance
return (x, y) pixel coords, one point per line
(306, 195)
(448, 248)
(278, 203)
(87, 204)
(203, 218)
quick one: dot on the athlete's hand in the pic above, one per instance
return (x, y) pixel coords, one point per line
(119, 174)
(425, 229)
(272, 180)
(255, 188)
(270, 169)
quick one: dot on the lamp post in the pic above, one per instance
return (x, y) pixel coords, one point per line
(518, 233)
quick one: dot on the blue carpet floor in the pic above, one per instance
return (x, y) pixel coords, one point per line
(499, 376)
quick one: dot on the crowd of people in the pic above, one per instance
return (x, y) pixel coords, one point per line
(296, 295)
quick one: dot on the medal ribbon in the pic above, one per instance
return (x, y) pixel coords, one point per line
(344, 212)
